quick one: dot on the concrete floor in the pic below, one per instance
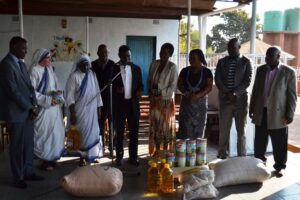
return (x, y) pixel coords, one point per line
(134, 187)
(294, 136)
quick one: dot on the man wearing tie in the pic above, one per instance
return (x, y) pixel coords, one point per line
(127, 90)
(18, 108)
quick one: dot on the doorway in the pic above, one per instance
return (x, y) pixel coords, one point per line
(143, 51)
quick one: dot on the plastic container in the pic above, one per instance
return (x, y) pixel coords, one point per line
(154, 179)
(190, 152)
(162, 164)
(201, 145)
(167, 183)
(292, 19)
(73, 139)
(273, 21)
(180, 153)
(171, 159)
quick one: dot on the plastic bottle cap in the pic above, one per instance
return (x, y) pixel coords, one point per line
(153, 165)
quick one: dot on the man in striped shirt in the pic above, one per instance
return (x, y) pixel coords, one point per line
(232, 78)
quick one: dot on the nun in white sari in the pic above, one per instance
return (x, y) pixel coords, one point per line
(49, 131)
(84, 101)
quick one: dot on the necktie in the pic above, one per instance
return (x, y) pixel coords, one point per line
(21, 67)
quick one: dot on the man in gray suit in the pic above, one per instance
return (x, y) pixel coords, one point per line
(18, 109)
(272, 107)
(232, 78)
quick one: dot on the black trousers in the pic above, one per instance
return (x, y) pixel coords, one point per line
(21, 149)
(105, 114)
(123, 111)
(279, 139)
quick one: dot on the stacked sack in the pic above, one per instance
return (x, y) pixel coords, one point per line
(199, 185)
(93, 181)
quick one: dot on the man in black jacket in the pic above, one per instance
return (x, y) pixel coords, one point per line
(127, 90)
(103, 69)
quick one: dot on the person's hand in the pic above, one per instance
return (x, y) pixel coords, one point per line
(193, 98)
(139, 93)
(53, 101)
(34, 112)
(231, 97)
(99, 112)
(287, 120)
(251, 115)
(186, 96)
(120, 90)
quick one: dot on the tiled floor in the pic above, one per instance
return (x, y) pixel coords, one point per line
(134, 187)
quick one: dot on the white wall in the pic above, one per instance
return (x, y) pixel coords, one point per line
(39, 31)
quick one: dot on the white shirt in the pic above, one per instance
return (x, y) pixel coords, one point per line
(127, 80)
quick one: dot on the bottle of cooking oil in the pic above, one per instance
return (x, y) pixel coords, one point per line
(162, 164)
(73, 139)
(167, 185)
(154, 178)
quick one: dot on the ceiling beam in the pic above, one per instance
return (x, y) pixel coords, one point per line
(66, 9)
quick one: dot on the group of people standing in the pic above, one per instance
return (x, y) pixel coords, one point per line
(31, 104)
(272, 103)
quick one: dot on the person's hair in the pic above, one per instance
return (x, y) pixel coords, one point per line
(168, 46)
(200, 55)
(101, 46)
(233, 41)
(273, 51)
(16, 40)
(123, 48)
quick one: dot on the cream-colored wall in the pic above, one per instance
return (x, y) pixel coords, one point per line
(40, 31)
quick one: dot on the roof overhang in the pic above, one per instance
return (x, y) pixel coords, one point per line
(157, 9)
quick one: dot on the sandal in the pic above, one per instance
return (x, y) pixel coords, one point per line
(82, 162)
(55, 164)
(46, 166)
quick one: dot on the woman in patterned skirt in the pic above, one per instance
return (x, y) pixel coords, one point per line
(162, 82)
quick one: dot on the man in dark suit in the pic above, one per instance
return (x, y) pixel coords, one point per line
(127, 90)
(232, 78)
(103, 69)
(18, 108)
(272, 108)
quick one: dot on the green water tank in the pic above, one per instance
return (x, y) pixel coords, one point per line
(273, 21)
(292, 19)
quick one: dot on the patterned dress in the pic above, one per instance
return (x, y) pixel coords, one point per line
(162, 107)
(192, 116)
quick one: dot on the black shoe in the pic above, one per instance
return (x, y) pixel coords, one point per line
(118, 162)
(34, 177)
(278, 173)
(20, 184)
(82, 162)
(135, 162)
(222, 157)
